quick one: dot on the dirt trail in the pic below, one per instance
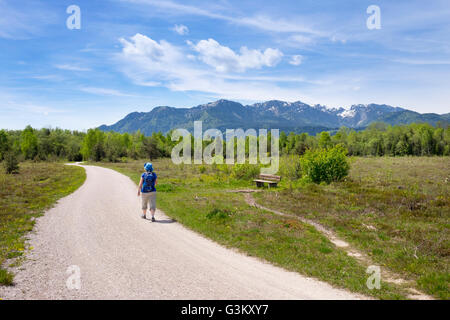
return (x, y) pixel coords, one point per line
(358, 255)
(98, 229)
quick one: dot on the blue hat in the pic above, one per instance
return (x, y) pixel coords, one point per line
(148, 167)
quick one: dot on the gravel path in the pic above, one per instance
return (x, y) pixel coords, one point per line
(98, 229)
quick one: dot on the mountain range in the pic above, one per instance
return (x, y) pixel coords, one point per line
(286, 116)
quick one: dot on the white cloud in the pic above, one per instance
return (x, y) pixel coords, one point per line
(296, 60)
(224, 59)
(151, 84)
(147, 48)
(277, 25)
(336, 38)
(42, 110)
(174, 7)
(262, 22)
(191, 57)
(181, 29)
(105, 92)
(422, 62)
(49, 77)
(24, 106)
(25, 21)
(150, 63)
(297, 40)
(71, 67)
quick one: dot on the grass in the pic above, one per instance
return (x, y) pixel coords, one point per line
(25, 196)
(198, 197)
(396, 210)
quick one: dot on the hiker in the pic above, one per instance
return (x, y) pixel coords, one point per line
(147, 187)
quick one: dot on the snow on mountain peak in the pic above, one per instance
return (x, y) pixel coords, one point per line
(350, 113)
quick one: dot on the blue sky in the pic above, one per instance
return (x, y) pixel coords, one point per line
(133, 55)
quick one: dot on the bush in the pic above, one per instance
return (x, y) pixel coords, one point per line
(290, 167)
(325, 165)
(217, 213)
(245, 171)
(6, 277)
(223, 168)
(11, 163)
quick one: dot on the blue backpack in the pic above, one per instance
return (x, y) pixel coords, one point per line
(149, 182)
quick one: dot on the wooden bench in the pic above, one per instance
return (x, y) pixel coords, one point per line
(270, 179)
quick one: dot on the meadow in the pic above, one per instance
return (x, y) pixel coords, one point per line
(23, 198)
(394, 210)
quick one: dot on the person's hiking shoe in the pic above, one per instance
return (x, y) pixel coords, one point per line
(143, 216)
(153, 219)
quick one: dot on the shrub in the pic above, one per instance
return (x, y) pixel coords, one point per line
(225, 168)
(219, 213)
(290, 167)
(11, 163)
(245, 171)
(6, 277)
(325, 165)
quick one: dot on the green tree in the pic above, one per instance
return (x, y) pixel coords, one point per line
(283, 141)
(341, 136)
(325, 140)
(135, 150)
(301, 143)
(401, 148)
(426, 139)
(11, 162)
(93, 145)
(29, 143)
(4, 144)
(151, 148)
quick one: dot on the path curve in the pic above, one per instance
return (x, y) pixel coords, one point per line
(120, 256)
(338, 242)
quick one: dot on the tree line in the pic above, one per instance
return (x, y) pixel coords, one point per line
(378, 139)
(57, 144)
